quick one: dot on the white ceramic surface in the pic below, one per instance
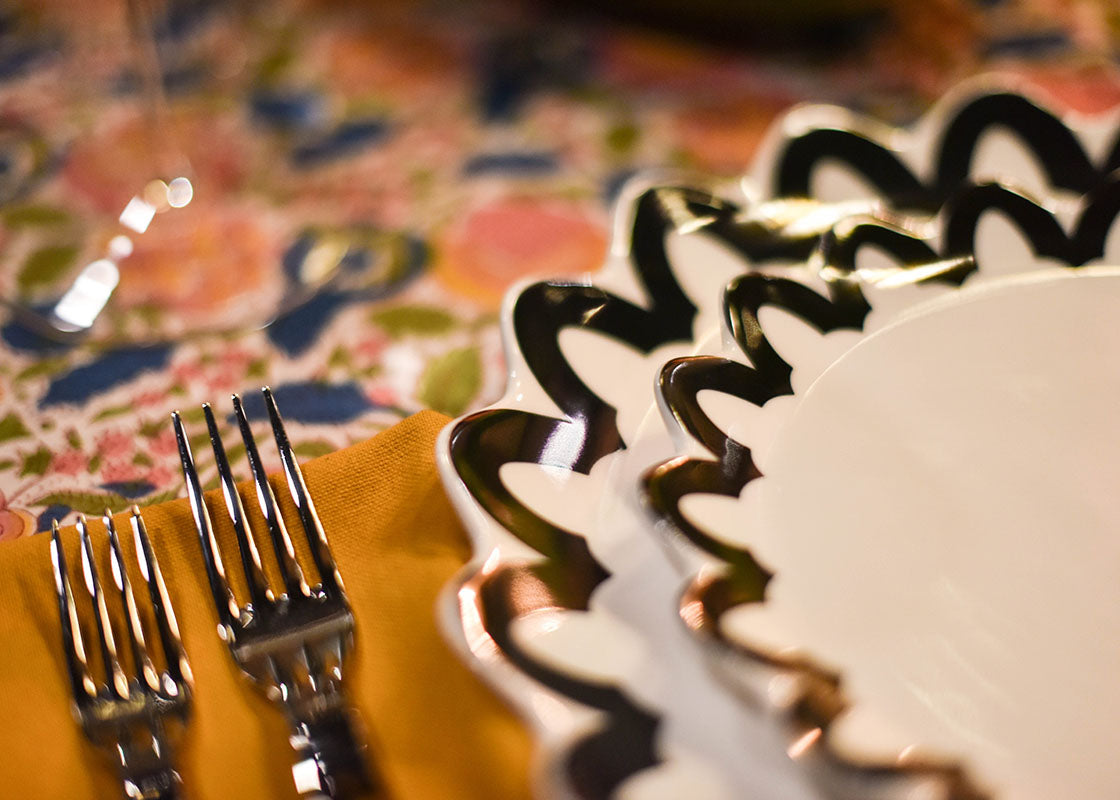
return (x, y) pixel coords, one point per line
(941, 515)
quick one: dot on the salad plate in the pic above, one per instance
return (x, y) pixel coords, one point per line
(572, 621)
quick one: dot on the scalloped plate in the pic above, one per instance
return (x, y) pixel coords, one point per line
(729, 416)
(574, 622)
(568, 605)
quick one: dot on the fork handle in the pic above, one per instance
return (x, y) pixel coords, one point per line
(332, 758)
(162, 784)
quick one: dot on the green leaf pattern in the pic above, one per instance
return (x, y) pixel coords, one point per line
(36, 462)
(12, 427)
(414, 320)
(451, 381)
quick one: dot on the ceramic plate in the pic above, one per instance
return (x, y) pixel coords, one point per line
(920, 556)
(575, 622)
(569, 605)
(729, 416)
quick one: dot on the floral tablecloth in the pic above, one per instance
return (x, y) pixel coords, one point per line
(425, 154)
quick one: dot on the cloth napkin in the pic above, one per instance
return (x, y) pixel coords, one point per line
(435, 731)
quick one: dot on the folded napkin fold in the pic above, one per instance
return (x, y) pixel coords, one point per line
(435, 731)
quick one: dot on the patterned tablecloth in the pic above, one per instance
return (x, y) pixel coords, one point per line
(424, 154)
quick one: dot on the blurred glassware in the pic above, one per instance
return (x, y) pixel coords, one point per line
(141, 199)
(104, 62)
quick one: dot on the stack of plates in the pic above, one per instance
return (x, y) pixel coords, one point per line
(809, 492)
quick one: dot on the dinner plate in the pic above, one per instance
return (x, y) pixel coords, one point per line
(569, 606)
(724, 411)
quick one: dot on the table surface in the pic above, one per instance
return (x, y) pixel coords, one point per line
(432, 152)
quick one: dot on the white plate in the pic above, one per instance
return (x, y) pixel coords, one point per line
(725, 411)
(568, 605)
(940, 516)
(573, 622)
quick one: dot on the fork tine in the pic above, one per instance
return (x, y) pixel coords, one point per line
(294, 582)
(118, 682)
(259, 592)
(176, 657)
(81, 680)
(143, 663)
(309, 517)
(224, 601)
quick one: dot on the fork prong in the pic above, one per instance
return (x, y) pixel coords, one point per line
(292, 575)
(224, 601)
(81, 680)
(135, 628)
(308, 516)
(259, 593)
(118, 681)
(176, 657)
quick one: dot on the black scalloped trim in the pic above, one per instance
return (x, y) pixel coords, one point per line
(483, 442)
(1055, 147)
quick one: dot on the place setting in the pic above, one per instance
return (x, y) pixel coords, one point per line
(502, 401)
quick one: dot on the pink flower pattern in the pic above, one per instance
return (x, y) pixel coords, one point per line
(119, 471)
(115, 444)
(163, 443)
(69, 462)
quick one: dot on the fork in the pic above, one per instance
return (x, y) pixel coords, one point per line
(126, 714)
(290, 644)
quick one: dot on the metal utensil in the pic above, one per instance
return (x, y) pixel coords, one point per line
(127, 714)
(290, 644)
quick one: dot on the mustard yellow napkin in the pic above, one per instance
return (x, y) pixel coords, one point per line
(435, 730)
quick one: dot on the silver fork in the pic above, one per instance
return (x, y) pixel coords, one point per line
(126, 714)
(290, 644)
